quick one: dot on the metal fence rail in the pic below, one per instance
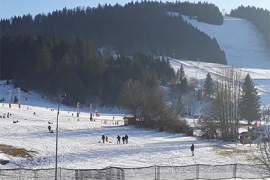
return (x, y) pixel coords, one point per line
(197, 171)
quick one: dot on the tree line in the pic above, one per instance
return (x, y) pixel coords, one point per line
(259, 17)
(144, 26)
(231, 98)
(53, 65)
(203, 12)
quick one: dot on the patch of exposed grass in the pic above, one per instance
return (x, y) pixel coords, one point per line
(17, 152)
(255, 159)
(228, 151)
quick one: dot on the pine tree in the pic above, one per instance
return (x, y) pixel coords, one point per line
(178, 74)
(182, 73)
(249, 107)
(208, 87)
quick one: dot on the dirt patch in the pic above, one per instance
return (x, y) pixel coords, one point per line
(17, 152)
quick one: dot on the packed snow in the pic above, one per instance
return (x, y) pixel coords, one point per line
(242, 43)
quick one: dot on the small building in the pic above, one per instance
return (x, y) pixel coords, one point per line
(129, 121)
(247, 137)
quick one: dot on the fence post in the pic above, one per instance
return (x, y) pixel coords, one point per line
(155, 172)
(35, 172)
(60, 172)
(76, 174)
(158, 172)
(110, 172)
(123, 174)
(197, 171)
(234, 171)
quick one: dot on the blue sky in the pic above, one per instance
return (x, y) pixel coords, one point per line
(9, 8)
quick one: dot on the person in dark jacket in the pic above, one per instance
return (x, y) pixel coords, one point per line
(103, 138)
(192, 149)
(126, 137)
(49, 128)
(123, 138)
(118, 139)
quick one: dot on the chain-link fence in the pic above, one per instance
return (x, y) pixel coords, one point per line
(197, 171)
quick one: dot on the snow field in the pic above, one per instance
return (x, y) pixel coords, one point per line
(79, 142)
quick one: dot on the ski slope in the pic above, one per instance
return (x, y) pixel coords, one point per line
(242, 43)
(244, 48)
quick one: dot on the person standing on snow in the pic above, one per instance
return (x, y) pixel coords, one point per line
(126, 137)
(103, 138)
(123, 138)
(118, 139)
(49, 128)
(192, 149)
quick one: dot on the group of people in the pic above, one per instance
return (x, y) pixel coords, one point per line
(124, 139)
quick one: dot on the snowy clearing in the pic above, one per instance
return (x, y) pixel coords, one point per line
(80, 143)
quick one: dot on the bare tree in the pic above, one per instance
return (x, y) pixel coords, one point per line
(132, 96)
(264, 148)
(264, 139)
(153, 105)
(223, 111)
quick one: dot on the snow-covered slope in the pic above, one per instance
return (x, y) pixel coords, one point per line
(242, 43)
(79, 141)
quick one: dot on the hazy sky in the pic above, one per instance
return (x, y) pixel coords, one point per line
(9, 8)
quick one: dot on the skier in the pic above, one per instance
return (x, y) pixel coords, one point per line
(106, 138)
(192, 149)
(123, 138)
(49, 128)
(103, 138)
(118, 139)
(126, 137)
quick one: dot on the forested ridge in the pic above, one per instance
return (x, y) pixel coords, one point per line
(60, 52)
(136, 26)
(53, 65)
(258, 16)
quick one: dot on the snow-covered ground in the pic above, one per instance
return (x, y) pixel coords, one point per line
(80, 143)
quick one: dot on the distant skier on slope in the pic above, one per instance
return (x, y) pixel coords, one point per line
(103, 138)
(192, 149)
(123, 138)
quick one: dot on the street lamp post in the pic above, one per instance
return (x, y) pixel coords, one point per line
(56, 148)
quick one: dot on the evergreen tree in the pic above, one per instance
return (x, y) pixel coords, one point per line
(182, 73)
(178, 74)
(184, 85)
(250, 101)
(208, 87)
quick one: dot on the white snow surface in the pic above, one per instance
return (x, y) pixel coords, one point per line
(242, 43)
(80, 143)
